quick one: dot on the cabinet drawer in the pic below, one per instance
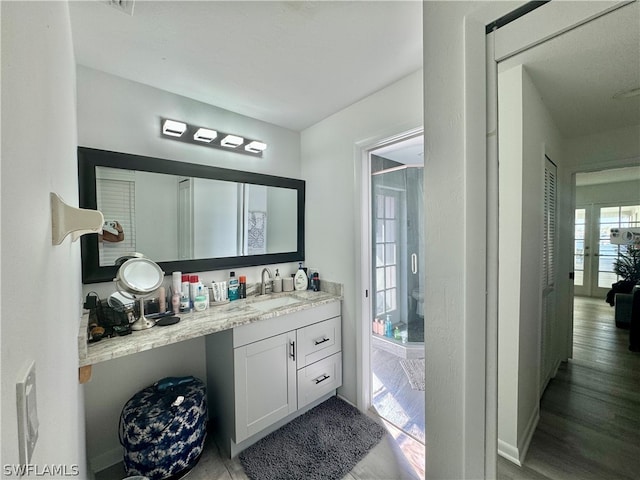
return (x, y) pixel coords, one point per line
(318, 379)
(318, 341)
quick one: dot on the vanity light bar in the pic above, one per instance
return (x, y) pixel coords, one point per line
(203, 136)
(232, 141)
(173, 128)
(255, 147)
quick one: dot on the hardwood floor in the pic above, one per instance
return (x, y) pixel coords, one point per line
(589, 424)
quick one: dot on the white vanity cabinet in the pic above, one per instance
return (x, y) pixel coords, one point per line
(262, 375)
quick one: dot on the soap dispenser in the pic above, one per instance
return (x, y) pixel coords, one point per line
(300, 281)
(277, 283)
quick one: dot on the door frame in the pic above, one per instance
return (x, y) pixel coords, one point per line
(363, 255)
(474, 454)
(597, 167)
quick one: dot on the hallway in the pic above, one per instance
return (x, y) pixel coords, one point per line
(589, 426)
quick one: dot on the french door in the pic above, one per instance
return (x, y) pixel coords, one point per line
(593, 252)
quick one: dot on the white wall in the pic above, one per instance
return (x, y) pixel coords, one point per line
(39, 157)
(124, 116)
(331, 168)
(527, 134)
(114, 382)
(620, 147)
(622, 193)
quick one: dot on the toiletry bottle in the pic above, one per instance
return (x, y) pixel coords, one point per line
(316, 282)
(175, 302)
(233, 286)
(300, 281)
(277, 283)
(193, 288)
(176, 281)
(242, 287)
(184, 290)
(388, 327)
(215, 289)
(185, 304)
(162, 300)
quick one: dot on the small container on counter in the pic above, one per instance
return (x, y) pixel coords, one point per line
(200, 303)
(242, 287)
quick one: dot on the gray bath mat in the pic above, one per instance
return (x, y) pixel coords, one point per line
(323, 444)
(414, 368)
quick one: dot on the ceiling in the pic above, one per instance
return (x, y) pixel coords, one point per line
(579, 73)
(288, 63)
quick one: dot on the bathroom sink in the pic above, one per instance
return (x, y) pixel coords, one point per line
(266, 305)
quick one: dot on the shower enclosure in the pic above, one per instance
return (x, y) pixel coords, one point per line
(397, 207)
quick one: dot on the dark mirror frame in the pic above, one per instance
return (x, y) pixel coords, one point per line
(90, 158)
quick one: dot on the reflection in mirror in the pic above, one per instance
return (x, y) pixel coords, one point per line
(213, 218)
(182, 214)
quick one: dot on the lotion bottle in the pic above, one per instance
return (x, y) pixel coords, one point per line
(300, 281)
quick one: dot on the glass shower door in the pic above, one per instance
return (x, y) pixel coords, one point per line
(397, 253)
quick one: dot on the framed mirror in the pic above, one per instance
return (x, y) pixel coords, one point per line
(186, 217)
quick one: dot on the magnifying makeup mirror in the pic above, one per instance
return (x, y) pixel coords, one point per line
(138, 278)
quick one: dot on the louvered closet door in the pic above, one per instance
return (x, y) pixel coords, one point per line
(115, 195)
(549, 242)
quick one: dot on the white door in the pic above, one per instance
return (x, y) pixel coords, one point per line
(594, 254)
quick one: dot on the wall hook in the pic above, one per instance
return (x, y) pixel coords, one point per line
(66, 219)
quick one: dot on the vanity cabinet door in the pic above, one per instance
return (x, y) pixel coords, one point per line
(265, 383)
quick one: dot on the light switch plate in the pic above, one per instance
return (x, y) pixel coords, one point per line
(27, 413)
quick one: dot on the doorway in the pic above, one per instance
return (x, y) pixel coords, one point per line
(605, 199)
(533, 86)
(395, 310)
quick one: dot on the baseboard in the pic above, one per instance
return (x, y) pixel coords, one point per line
(554, 372)
(517, 454)
(532, 424)
(509, 452)
(106, 459)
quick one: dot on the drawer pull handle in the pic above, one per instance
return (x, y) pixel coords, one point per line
(322, 341)
(322, 379)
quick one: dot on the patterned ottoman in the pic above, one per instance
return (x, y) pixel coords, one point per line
(163, 428)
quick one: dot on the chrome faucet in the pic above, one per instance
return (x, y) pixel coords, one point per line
(265, 286)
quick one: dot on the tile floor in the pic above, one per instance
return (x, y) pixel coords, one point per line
(393, 397)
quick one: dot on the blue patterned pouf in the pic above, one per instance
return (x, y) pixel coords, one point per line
(163, 428)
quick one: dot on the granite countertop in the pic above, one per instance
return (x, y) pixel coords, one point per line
(197, 324)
